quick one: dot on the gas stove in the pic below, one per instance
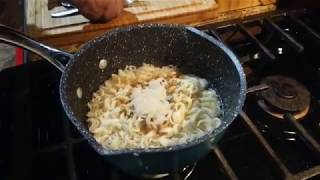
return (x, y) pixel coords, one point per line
(276, 136)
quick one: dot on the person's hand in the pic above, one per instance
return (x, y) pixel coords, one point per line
(99, 10)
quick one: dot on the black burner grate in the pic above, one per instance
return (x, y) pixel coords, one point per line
(273, 50)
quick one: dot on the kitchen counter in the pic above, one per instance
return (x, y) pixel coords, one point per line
(71, 37)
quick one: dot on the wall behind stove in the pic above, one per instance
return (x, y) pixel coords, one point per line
(11, 14)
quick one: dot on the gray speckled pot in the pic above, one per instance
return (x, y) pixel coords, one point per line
(192, 51)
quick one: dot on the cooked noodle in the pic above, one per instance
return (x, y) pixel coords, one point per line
(151, 107)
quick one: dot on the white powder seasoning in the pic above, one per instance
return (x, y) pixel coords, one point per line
(151, 100)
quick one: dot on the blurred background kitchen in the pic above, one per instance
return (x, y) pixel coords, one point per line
(57, 24)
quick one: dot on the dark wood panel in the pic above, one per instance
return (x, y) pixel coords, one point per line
(12, 13)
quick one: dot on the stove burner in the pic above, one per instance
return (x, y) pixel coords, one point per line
(285, 93)
(280, 114)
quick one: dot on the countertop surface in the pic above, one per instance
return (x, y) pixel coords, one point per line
(71, 37)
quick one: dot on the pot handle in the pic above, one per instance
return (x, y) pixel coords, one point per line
(10, 36)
